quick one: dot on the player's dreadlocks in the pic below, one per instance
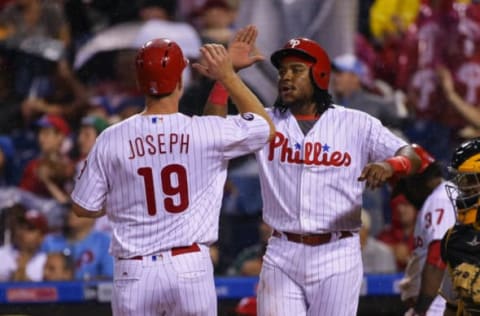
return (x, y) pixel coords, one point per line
(322, 98)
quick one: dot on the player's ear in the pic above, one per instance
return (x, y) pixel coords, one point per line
(180, 84)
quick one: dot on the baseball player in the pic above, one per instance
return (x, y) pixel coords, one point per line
(159, 177)
(426, 190)
(312, 176)
(460, 247)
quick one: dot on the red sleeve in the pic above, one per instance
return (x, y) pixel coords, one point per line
(433, 257)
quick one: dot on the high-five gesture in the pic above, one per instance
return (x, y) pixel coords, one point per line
(242, 49)
(216, 63)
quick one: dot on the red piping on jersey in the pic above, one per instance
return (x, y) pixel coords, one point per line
(301, 117)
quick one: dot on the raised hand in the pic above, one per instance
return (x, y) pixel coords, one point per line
(216, 63)
(242, 49)
(445, 79)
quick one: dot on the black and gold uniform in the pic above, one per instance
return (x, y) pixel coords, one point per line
(460, 247)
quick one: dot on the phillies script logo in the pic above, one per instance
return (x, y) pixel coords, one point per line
(312, 153)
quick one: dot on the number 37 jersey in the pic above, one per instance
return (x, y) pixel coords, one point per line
(161, 177)
(436, 216)
(433, 220)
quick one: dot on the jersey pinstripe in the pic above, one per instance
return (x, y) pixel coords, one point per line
(310, 185)
(309, 182)
(161, 177)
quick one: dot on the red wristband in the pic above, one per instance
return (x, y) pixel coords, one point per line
(400, 164)
(218, 95)
(434, 255)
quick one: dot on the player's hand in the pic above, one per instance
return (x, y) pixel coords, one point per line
(216, 63)
(242, 49)
(375, 174)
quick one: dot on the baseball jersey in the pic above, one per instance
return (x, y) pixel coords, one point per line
(435, 217)
(161, 177)
(90, 255)
(309, 182)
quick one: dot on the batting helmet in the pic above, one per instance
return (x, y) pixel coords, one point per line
(465, 171)
(310, 50)
(159, 65)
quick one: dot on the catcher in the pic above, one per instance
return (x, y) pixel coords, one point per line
(460, 247)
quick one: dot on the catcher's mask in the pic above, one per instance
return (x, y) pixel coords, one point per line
(465, 172)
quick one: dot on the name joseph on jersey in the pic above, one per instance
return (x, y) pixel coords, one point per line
(313, 153)
(159, 144)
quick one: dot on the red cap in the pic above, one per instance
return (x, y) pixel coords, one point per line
(35, 219)
(247, 307)
(55, 121)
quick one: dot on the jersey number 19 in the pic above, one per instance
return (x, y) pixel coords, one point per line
(168, 186)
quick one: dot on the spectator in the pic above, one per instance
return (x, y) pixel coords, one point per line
(399, 235)
(88, 248)
(39, 28)
(23, 260)
(49, 174)
(58, 267)
(215, 21)
(8, 176)
(391, 18)
(377, 257)
(349, 77)
(470, 112)
(91, 127)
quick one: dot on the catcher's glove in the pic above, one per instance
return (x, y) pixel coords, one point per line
(466, 282)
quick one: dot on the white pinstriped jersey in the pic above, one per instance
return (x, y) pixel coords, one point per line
(309, 182)
(161, 177)
(436, 216)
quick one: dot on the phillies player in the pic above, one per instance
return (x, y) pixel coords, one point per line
(159, 177)
(426, 190)
(312, 176)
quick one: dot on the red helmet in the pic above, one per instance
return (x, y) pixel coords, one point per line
(311, 50)
(425, 157)
(159, 64)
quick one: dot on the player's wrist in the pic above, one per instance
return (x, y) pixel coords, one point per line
(401, 165)
(218, 95)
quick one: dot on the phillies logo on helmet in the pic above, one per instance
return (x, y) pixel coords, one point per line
(293, 43)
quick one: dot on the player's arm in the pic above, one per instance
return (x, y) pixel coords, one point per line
(432, 276)
(405, 162)
(82, 212)
(218, 66)
(243, 54)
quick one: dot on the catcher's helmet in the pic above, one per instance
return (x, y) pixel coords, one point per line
(310, 50)
(159, 65)
(465, 171)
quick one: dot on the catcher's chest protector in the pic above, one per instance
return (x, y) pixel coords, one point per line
(461, 251)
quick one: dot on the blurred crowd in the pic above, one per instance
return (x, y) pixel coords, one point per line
(66, 74)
